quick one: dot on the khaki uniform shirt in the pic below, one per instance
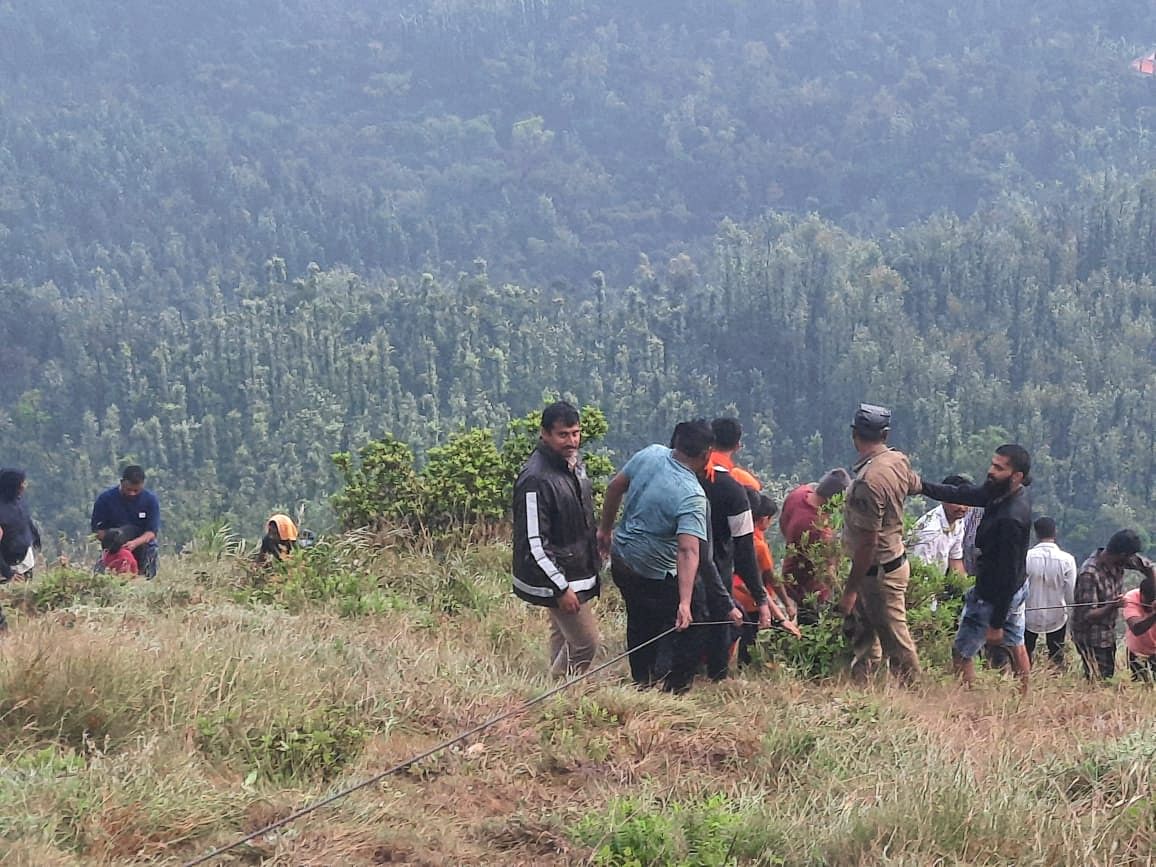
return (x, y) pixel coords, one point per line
(875, 502)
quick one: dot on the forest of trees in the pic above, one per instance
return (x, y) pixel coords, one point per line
(1023, 321)
(238, 238)
(146, 145)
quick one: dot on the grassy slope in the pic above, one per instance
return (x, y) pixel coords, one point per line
(148, 723)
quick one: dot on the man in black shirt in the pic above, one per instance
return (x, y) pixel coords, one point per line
(733, 530)
(993, 610)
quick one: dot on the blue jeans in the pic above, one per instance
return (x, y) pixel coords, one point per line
(976, 620)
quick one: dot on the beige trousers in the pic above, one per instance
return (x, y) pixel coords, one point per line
(881, 627)
(574, 640)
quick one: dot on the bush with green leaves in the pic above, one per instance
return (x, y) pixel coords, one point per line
(465, 483)
(380, 485)
(333, 572)
(934, 602)
(63, 587)
(317, 743)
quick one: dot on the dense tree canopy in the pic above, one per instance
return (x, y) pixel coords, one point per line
(238, 238)
(147, 145)
(1024, 321)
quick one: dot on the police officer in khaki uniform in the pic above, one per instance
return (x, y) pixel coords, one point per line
(876, 590)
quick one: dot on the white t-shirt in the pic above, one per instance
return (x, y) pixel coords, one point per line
(27, 564)
(1051, 585)
(936, 541)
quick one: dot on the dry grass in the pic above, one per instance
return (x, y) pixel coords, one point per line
(168, 718)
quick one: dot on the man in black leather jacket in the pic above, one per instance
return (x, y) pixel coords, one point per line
(556, 559)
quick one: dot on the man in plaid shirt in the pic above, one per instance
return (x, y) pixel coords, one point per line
(1098, 597)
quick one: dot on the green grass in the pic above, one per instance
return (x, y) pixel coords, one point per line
(146, 722)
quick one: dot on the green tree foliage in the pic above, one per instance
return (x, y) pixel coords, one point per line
(146, 148)
(236, 241)
(1026, 322)
(381, 484)
(464, 483)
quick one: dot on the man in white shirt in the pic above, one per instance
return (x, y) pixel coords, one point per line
(1051, 586)
(937, 538)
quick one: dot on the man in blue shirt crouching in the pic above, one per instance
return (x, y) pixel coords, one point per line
(134, 510)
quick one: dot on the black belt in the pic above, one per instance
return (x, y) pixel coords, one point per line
(887, 567)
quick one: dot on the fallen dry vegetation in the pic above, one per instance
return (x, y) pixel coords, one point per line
(148, 723)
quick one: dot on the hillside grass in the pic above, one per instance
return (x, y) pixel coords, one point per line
(146, 723)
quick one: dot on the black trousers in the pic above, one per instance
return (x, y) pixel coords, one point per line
(749, 637)
(1099, 662)
(720, 640)
(1055, 642)
(1143, 668)
(651, 607)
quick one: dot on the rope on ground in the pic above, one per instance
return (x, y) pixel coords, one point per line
(400, 766)
(457, 739)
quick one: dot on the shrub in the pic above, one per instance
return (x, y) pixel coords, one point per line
(630, 836)
(821, 653)
(380, 484)
(635, 834)
(934, 602)
(317, 743)
(465, 483)
(330, 572)
(64, 587)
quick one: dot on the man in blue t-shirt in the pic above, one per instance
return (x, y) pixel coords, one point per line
(136, 512)
(654, 552)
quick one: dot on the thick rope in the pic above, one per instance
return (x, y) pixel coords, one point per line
(400, 766)
(457, 739)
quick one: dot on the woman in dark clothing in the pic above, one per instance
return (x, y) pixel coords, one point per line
(18, 535)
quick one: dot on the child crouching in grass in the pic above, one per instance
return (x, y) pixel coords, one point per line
(115, 557)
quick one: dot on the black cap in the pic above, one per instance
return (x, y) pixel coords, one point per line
(870, 418)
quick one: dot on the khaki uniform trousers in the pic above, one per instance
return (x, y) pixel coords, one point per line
(574, 640)
(880, 627)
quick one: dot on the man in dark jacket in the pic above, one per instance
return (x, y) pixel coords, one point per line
(555, 550)
(18, 535)
(993, 611)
